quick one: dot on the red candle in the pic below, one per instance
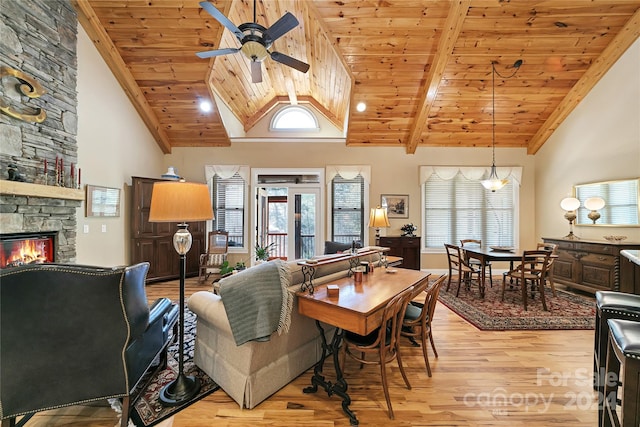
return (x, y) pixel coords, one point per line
(79, 172)
(72, 174)
(45, 166)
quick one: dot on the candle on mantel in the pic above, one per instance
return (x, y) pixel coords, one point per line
(73, 181)
(79, 172)
(45, 166)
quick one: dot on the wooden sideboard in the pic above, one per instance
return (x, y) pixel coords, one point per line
(153, 241)
(408, 248)
(592, 265)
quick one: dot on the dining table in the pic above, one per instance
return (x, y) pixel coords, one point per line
(486, 254)
(355, 306)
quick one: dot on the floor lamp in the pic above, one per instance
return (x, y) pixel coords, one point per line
(180, 202)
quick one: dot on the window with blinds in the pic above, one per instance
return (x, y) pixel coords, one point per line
(347, 209)
(229, 207)
(461, 208)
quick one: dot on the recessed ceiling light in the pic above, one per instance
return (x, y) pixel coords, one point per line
(361, 107)
(205, 106)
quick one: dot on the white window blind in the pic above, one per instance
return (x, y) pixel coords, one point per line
(228, 206)
(461, 208)
(347, 210)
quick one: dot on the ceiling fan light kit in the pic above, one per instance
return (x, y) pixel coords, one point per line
(494, 183)
(256, 40)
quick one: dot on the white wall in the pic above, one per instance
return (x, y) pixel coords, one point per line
(113, 145)
(599, 141)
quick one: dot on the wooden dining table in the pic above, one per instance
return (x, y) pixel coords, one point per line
(485, 254)
(356, 307)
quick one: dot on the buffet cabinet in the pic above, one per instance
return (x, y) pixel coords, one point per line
(408, 248)
(153, 241)
(592, 265)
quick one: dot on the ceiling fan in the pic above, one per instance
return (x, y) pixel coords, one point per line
(255, 40)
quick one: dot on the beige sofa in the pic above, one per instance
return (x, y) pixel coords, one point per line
(253, 371)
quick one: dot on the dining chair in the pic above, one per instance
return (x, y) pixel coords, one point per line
(458, 263)
(212, 261)
(532, 269)
(476, 262)
(418, 317)
(553, 248)
(383, 343)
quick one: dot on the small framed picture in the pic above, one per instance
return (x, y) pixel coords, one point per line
(102, 201)
(397, 205)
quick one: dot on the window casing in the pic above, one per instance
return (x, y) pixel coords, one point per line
(461, 208)
(228, 200)
(347, 209)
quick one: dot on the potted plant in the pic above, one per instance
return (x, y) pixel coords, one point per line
(262, 251)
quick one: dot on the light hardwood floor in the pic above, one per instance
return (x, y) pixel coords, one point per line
(510, 379)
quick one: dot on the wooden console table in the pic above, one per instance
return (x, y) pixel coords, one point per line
(591, 265)
(358, 308)
(309, 266)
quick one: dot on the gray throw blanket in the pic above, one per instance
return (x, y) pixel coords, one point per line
(257, 301)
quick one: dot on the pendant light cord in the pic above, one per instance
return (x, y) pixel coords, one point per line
(516, 67)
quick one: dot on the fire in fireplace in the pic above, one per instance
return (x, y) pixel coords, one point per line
(26, 248)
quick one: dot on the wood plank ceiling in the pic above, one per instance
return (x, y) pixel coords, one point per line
(423, 67)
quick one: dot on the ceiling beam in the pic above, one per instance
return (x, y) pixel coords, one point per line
(97, 33)
(614, 50)
(450, 34)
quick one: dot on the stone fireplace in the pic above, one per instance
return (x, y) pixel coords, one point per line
(31, 206)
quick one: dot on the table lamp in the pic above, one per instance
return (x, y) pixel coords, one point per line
(378, 218)
(594, 204)
(570, 204)
(180, 202)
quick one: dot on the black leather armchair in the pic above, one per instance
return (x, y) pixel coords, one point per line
(71, 334)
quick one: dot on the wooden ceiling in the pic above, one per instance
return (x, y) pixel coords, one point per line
(423, 67)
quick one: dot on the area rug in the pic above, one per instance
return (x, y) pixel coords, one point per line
(148, 410)
(566, 311)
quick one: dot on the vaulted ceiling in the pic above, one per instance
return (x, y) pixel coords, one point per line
(423, 67)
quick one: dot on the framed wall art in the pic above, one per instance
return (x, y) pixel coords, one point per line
(397, 205)
(102, 201)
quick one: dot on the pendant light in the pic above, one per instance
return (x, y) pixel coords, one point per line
(494, 183)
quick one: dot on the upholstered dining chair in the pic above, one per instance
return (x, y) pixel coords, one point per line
(532, 270)
(212, 261)
(458, 264)
(553, 248)
(418, 316)
(383, 343)
(476, 262)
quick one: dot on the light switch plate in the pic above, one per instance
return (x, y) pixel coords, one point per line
(85, 228)
(104, 228)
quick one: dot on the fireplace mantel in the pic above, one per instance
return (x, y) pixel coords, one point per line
(38, 190)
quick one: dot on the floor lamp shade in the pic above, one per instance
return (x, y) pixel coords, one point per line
(180, 202)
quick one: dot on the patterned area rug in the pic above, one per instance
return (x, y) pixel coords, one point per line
(566, 311)
(148, 410)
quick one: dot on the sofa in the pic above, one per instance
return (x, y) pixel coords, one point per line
(253, 371)
(71, 334)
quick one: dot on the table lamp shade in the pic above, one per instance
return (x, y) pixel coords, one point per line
(180, 202)
(378, 218)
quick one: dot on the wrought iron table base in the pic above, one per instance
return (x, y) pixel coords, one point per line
(338, 388)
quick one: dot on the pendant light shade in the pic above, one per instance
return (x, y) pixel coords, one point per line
(494, 183)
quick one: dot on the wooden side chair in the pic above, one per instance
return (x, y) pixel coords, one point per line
(553, 248)
(212, 261)
(532, 270)
(383, 342)
(458, 264)
(476, 262)
(418, 316)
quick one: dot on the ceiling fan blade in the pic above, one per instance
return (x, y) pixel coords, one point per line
(282, 26)
(291, 62)
(218, 52)
(256, 72)
(221, 18)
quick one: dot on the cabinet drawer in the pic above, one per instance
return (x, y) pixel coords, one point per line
(410, 242)
(387, 241)
(599, 259)
(594, 247)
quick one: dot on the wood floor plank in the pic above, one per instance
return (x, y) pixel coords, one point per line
(481, 378)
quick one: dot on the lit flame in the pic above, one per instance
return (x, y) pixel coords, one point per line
(24, 252)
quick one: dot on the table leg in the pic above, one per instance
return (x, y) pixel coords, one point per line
(482, 276)
(340, 387)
